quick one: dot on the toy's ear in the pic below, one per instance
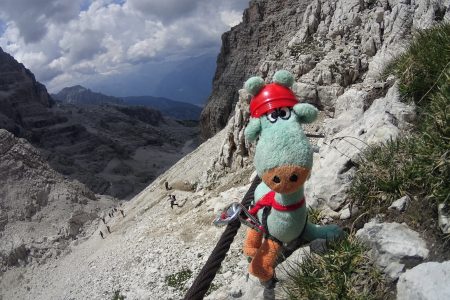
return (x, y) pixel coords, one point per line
(306, 112)
(253, 129)
(284, 78)
(254, 84)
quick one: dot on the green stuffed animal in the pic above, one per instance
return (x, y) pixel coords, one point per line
(283, 160)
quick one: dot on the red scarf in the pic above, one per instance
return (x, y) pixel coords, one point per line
(269, 200)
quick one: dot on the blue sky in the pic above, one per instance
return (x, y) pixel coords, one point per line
(65, 43)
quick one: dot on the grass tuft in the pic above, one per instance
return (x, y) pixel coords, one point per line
(118, 296)
(315, 215)
(177, 280)
(421, 67)
(346, 271)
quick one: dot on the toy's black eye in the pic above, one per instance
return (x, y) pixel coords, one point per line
(272, 116)
(284, 113)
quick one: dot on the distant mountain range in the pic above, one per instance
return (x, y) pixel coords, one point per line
(174, 109)
(186, 80)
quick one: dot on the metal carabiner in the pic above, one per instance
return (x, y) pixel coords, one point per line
(234, 211)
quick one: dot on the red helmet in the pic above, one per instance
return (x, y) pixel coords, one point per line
(271, 96)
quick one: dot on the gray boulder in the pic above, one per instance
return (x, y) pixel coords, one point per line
(394, 246)
(401, 204)
(427, 281)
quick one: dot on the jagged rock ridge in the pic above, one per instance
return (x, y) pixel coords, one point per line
(266, 27)
(24, 102)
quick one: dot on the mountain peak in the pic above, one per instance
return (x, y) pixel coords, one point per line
(76, 88)
(78, 94)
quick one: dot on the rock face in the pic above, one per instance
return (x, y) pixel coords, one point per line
(394, 246)
(24, 102)
(266, 28)
(328, 45)
(235, 150)
(351, 130)
(425, 282)
(335, 70)
(80, 95)
(36, 204)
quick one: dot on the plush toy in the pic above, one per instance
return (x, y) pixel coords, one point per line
(283, 160)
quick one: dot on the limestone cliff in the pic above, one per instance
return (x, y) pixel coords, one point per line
(328, 45)
(266, 28)
(24, 102)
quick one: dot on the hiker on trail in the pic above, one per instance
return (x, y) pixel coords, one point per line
(101, 234)
(121, 211)
(103, 219)
(109, 230)
(172, 200)
(166, 184)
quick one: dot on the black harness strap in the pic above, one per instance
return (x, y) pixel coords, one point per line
(267, 235)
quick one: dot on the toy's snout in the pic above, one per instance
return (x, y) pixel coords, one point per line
(285, 179)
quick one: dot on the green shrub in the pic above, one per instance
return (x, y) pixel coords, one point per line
(421, 67)
(345, 271)
(315, 215)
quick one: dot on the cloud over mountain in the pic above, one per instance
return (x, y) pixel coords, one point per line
(66, 42)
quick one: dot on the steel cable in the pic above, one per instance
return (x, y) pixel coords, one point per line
(206, 275)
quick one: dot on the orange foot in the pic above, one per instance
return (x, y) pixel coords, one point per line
(263, 263)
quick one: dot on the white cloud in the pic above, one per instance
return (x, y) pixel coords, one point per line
(62, 44)
(231, 17)
(31, 17)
